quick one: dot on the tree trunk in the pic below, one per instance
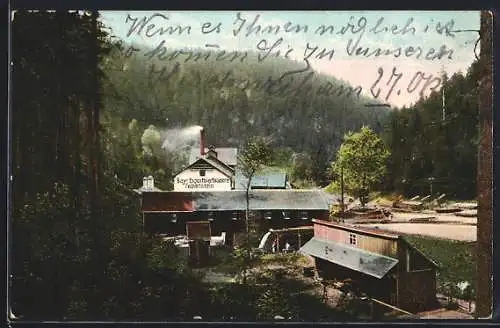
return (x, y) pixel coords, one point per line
(484, 174)
(76, 169)
(247, 227)
(94, 169)
(342, 206)
(362, 197)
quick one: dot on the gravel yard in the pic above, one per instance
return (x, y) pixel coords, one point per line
(440, 217)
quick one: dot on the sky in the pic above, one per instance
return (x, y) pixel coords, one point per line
(425, 29)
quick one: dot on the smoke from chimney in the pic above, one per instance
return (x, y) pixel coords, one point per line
(202, 142)
(177, 139)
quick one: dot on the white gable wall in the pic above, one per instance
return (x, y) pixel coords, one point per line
(192, 180)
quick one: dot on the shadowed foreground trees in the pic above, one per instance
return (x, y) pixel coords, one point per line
(78, 251)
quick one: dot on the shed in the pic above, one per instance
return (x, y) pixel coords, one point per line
(382, 264)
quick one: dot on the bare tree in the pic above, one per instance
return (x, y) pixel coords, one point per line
(256, 155)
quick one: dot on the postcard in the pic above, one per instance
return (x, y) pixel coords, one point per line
(241, 166)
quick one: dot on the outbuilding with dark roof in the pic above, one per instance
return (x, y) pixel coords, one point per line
(382, 264)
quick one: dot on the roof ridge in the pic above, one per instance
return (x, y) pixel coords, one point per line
(354, 248)
(414, 247)
(216, 160)
(226, 168)
(382, 233)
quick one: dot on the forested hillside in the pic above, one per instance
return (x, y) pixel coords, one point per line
(432, 145)
(308, 114)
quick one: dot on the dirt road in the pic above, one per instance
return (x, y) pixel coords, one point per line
(445, 231)
(439, 217)
(439, 225)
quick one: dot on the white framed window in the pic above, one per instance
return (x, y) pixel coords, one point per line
(352, 239)
(202, 173)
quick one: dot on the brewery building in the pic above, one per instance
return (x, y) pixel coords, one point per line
(211, 189)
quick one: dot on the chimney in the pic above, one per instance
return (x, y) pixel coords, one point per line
(202, 142)
(211, 151)
(148, 183)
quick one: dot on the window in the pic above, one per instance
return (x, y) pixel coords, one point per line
(202, 173)
(352, 239)
(415, 261)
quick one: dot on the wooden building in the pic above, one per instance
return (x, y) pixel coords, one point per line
(168, 212)
(215, 169)
(207, 172)
(198, 235)
(382, 264)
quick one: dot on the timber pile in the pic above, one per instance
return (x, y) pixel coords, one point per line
(440, 199)
(405, 210)
(448, 210)
(383, 202)
(467, 213)
(361, 210)
(412, 205)
(378, 214)
(373, 214)
(466, 206)
(425, 199)
(422, 219)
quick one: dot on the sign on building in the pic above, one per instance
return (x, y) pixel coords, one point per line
(202, 180)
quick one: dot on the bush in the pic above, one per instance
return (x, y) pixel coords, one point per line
(456, 259)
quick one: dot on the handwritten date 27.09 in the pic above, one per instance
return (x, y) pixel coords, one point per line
(419, 80)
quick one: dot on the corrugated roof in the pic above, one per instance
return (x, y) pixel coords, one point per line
(229, 156)
(356, 259)
(262, 180)
(261, 200)
(235, 200)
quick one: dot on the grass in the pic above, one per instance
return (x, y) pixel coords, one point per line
(224, 261)
(284, 259)
(292, 294)
(456, 259)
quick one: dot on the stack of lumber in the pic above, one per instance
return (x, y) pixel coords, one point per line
(408, 205)
(448, 210)
(422, 219)
(465, 206)
(467, 213)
